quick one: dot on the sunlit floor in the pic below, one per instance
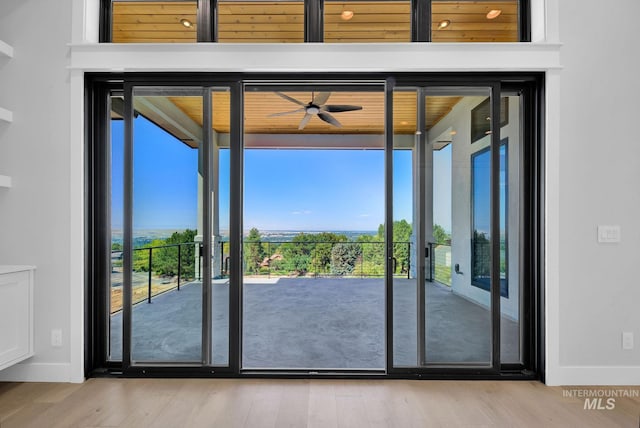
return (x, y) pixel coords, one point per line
(315, 323)
(321, 403)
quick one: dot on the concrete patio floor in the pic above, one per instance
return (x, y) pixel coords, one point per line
(315, 323)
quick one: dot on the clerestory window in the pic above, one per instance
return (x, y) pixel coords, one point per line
(329, 21)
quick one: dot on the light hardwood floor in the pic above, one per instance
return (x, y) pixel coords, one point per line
(303, 403)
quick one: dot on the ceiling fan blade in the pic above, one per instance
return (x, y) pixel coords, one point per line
(337, 108)
(320, 98)
(329, 119)
(288, 98)
(304, 121)
(284, 113)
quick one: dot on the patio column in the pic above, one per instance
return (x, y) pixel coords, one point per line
(216, 250)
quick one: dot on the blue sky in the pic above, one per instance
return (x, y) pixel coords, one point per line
(283, 189)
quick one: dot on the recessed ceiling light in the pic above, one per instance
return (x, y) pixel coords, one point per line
(186, 23)
(453, 132)
(404, 122)
(494, 13)
(444, 24)
(346, 15)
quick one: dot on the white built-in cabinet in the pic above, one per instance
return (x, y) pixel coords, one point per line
(5, 115)
(16, 314)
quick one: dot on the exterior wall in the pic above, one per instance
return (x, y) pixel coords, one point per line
(592, 167)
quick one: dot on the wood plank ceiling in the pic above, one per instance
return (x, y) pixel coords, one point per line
(283, 21)
(369, 120)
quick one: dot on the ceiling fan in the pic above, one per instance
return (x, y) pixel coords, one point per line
(316, 107)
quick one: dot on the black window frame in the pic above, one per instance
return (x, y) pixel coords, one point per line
(314, 21)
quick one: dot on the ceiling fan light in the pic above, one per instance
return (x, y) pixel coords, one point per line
(186, 23)
(346, 15)
(494, 13)
(444, 24)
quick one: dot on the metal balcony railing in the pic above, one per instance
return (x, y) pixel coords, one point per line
(163, 268)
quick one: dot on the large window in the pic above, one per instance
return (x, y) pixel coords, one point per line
(481, 218)
(291, 21)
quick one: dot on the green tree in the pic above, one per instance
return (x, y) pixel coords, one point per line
(168, 257)
(440, 236)
(165, 255)
(309, 252)
(254, 253)
(344, 257)
(401, 241)
(402, 231)
(372, 254)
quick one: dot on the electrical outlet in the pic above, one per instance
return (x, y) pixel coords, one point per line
(609, 234)
(627, 340)
(56, 338)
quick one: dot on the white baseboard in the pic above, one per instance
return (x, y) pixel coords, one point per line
(40, 372)
(584, 375)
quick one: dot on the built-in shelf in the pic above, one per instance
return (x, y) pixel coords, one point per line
(5, 181)
(6, 50)
(6, 115)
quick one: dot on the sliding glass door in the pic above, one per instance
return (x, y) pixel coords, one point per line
(175, 291)
(318, 227)
(313, 289)
(450, 190)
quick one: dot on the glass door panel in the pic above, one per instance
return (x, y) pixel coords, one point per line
(220, 214)
(458, 318)
(116, 186)
(167, 270)
(511, 292)
(442, 314)
(313, 291)
(405, 258)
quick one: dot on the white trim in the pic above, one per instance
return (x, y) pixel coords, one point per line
(86, 21)
(76, 227)
(552, 228)
(318, 57)
(551, 19)
(38, 372)
(596, 375)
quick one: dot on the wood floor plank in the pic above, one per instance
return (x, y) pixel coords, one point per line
(305, 403)
(323, 410)
(294, 404)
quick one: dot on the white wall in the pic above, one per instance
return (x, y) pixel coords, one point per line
(599, 175)
(35, 151)
(593, 161)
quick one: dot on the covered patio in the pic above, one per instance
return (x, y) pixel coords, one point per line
(315, 323)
